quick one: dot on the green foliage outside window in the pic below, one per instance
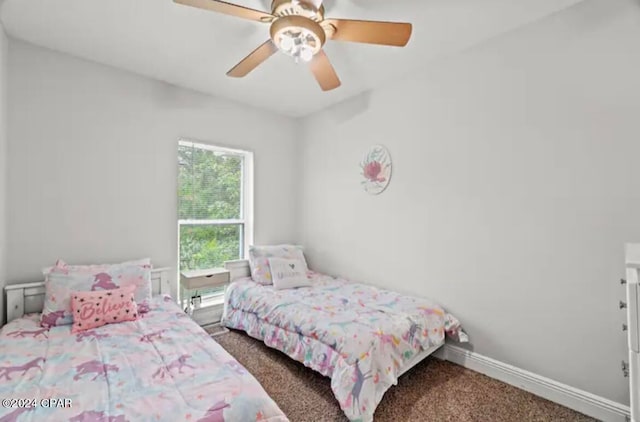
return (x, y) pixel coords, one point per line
(209, 188)
(208, 246)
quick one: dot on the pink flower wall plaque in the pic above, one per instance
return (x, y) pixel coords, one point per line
(375, 169)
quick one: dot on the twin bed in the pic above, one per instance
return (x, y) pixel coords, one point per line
(161, 367)
(360, 336)
(164, 367)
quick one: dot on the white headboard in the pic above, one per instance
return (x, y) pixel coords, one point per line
(238, 269)
(28, 298)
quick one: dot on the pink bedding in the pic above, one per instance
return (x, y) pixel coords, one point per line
(361, 336)
(162, 367)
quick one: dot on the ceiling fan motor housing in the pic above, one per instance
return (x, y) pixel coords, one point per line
(281, 8)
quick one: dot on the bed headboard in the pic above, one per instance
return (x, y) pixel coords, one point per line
(238, 269)
(28, 298)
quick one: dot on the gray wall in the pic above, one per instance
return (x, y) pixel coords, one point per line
(514, 191)
(3, 160)
(92, 175)
(512, 196)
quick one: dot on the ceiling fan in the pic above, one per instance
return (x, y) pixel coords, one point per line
(300, 30)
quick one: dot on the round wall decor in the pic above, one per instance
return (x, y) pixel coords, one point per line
(375, 169)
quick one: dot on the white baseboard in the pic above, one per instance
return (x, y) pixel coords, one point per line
(573, 398)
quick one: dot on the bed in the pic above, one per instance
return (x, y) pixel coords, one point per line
(161, 367)
(360, 336)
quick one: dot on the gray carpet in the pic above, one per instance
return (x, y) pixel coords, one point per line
(434, 390)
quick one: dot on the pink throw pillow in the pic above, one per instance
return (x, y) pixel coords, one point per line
(95, 309)
(62, 279)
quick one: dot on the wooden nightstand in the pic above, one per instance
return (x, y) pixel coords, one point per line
(197, 294)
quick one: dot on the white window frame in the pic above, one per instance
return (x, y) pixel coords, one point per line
(246, 199)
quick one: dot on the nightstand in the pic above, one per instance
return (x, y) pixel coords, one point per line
(200, 294)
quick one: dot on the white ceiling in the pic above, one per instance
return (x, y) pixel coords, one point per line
(194, 48)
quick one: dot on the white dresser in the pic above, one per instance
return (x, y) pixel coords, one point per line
(633, 326)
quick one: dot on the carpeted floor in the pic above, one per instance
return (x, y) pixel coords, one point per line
(432, 391)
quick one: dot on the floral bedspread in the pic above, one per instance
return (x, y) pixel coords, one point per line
(162, 367)
(360, 336)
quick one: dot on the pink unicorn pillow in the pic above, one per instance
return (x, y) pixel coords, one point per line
(62, 279)
(95, 309)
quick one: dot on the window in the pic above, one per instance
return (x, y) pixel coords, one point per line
(214, 205)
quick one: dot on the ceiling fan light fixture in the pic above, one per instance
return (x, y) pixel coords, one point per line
(299, 45)
(306, 54)
(298, 37)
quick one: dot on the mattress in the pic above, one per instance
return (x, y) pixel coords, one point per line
(162, 367)
(360, 336)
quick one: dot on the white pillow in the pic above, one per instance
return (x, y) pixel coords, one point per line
(259, 259)
(288, 273)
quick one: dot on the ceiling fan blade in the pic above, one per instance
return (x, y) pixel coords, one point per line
(371, 32)
(229, 9)
(253, 60)
(324, 72)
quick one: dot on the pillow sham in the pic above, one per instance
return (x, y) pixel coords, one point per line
(95, 309)
(288, 273)
(66, 268)
(62, 279)
(259, 260)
